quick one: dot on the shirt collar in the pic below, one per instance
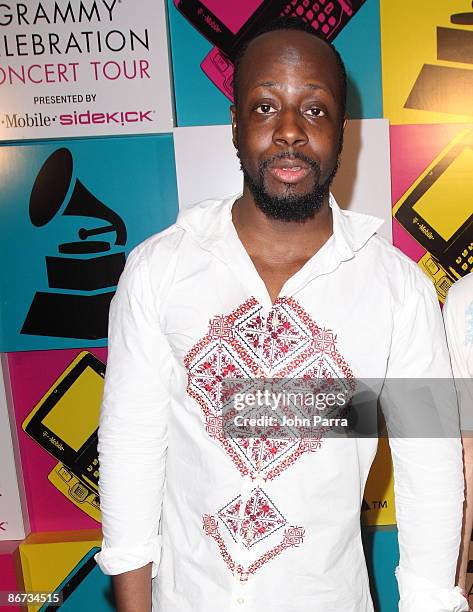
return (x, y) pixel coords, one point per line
(351, 230)
(209, 223)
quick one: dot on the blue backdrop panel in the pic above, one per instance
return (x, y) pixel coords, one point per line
(70, 212)
(200, 102)
(382, 557)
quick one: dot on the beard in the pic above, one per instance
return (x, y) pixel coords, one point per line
(290, 206)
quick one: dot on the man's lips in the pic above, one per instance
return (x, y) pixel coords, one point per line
(289, 172)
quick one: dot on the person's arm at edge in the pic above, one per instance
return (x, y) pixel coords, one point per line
(467, 526)
(455, 329)
(427, 471)
(133, 438)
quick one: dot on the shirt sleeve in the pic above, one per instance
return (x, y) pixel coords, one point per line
(133, 425)
(428, 473)
(454, 315)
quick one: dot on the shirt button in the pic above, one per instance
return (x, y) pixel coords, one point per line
(241, 600)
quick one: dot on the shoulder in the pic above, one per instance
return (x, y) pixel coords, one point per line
(148, 264)
(156, 258)
(403, 275)
(385, 266)
(137, 276)
(461, 292)
(458, 309)
(157, 246)
(197, 224)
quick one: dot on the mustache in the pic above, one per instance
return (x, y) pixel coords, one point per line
(287, 155)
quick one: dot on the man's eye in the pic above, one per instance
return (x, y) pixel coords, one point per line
(264, 109)
(315, 112)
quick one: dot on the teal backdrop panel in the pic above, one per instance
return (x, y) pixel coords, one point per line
(382, 557)
(85, 586)
(70, 212)
(200, 102)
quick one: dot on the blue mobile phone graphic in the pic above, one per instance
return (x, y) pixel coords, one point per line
(84, 586)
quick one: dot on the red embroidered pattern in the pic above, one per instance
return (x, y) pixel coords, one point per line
(257, 520)
(293, 537)
(244, 346)
(274, 340)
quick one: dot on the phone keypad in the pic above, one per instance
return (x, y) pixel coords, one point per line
(438, 275)
(89, 463)
(318, 14)
(464, 260)
(443, 285)
(79, 492)
(93, 469)
(65, 474)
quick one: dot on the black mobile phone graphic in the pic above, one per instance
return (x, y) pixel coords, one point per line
(84, 586)
(228, 24)
(438, 212)
(65, 420)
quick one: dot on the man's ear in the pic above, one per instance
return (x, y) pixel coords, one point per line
(234, 126)
(342, 135)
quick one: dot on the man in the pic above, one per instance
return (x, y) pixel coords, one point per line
(275, 282)
(458, 317)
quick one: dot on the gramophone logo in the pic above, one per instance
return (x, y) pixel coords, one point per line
(83, 274)
(448, 88)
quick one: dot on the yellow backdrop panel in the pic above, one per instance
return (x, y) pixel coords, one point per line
(427, 60)
(47, 558)
(378, 504)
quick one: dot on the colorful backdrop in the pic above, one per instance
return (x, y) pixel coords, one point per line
(104, 136)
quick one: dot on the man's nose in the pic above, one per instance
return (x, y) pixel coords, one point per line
(290, 129)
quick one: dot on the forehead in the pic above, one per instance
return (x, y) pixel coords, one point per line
(285, 55)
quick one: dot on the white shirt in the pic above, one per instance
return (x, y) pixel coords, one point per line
(458, 317)
(232, 528)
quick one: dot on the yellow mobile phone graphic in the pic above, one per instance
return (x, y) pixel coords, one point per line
(437, 210)
(79, 493)
(65, 423)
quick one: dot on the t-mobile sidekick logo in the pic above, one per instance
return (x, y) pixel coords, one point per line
(115, 117)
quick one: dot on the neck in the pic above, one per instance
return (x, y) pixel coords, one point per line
(276, 240)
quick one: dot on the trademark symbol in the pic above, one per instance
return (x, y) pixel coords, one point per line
(379, 504)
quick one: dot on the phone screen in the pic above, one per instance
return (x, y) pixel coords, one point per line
(76, 414)
(443, 206)
(234, 15)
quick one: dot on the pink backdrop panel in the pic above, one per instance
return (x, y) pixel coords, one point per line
(10, 570)
(31, 375)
